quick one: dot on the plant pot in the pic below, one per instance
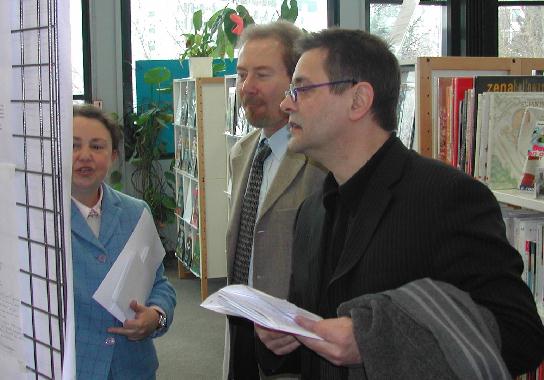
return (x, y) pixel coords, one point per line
(200, 67)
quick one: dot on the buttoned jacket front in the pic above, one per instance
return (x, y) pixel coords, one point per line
(98, 351)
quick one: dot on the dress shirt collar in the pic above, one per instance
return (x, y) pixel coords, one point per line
(96, 209)
(351, 192)
(277, 142)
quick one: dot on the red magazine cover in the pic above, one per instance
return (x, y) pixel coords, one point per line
(460, 85)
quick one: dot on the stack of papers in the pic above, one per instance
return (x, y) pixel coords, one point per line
(261, 308)
(132, 275)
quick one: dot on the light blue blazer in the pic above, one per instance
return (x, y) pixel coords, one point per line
(97, 351)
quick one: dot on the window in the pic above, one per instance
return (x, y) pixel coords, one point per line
(521, 29)
(412, 30)
(170, 19)
(80, 50)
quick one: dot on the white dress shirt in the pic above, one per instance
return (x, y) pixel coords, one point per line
(92, 215)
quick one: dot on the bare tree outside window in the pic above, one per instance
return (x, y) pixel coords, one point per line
(521, 31)
(158, 25)
(421, 34)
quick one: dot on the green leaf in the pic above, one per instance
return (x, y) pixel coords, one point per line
(115, 176)
(244, 14)
(170, 177)
(197, 20)
(289, 13)
(221, 44)
(117, 186)
(156, 75)
(228, 25)
(218, 68)
(169, 202)
(165, 90)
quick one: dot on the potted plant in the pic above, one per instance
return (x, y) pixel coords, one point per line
(217, 37)
(214, 38)
(150, 180)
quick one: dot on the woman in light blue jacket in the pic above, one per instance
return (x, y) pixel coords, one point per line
(102, 221)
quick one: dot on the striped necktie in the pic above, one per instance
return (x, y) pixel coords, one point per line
(250, 204)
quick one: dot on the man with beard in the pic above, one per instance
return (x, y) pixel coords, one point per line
(268, 182)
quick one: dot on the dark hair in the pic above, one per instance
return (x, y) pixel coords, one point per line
(359, 55)
(283, 31)
(91, 112)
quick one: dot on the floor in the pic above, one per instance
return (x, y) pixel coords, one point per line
(193, 347)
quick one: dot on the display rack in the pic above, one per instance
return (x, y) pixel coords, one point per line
(428, 69)
(200, 172)
(236, 126)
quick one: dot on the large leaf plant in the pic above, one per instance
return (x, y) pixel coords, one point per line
(151, 182)
(217, 36)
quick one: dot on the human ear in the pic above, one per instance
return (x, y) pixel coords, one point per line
(362, 99)
(114, 155)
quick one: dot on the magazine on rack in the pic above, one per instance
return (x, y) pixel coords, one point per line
(261, 308)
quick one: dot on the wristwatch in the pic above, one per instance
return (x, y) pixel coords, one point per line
(162, 321)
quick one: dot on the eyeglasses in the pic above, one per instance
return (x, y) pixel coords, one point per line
(293, 91)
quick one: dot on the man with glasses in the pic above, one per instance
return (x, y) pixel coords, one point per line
(389, 226)
(268, 182)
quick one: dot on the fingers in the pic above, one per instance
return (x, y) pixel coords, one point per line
(143, 324)
(277, 342)
(339, 345)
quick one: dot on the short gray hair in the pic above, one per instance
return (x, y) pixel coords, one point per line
(283, 31)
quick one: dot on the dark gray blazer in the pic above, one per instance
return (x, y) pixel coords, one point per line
(421, 218)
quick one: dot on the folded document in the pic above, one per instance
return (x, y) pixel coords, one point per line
(132, 275)
(261, 308)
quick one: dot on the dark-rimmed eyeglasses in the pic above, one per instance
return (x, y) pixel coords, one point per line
(293, 91)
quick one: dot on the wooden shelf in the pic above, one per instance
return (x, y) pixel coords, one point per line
(520, 198)
(205, 146)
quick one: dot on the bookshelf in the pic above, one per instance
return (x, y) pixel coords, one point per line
(200, 171)
(428, 69)
(236, 126)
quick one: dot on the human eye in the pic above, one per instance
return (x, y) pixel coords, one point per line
(264, 74)
(241, 75)
(76, 145)
(98, 146)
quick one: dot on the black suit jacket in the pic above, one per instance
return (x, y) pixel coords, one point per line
(421, 218)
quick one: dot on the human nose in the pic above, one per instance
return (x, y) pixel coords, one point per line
(248, 85)
(83, 153)
(287, 105)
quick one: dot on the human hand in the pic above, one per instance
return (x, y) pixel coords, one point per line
(144, 323)
(277, 342)
(338, 345)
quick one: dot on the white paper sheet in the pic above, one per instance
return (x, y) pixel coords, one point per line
(131, 276)
(5, 79)
(261, 308)
(11, 335)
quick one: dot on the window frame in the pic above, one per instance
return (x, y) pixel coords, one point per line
(87, 63)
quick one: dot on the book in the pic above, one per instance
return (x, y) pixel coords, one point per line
(459, 86)
(532, 130)
(507, 140)
(406, 114)
(504, 83)
(443, 119)
(232, 112)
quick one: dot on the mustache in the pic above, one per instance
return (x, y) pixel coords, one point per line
(251, 102)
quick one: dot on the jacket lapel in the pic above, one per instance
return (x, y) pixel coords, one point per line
(372, 208)
(241, 159)
(80, 227)
(111, 213)
(291, 164)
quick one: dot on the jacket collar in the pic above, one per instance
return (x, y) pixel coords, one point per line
(109, 222)
(372, 207)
